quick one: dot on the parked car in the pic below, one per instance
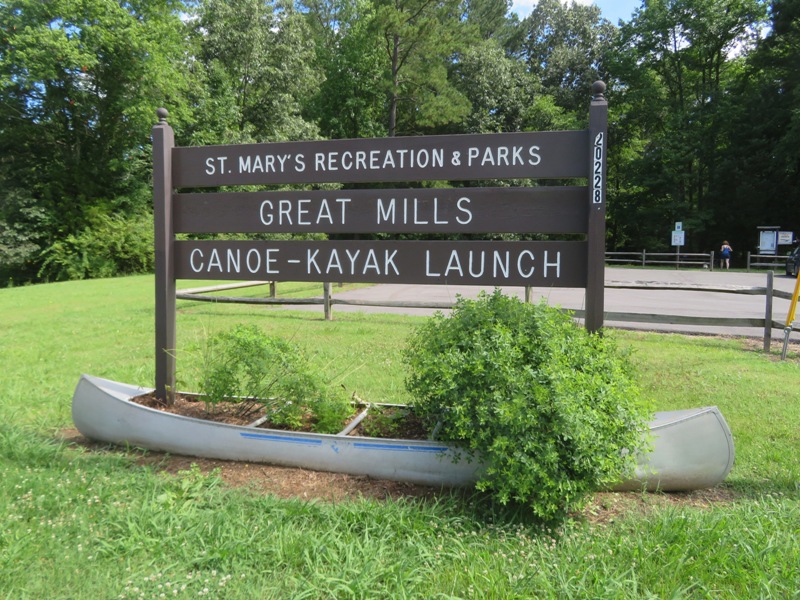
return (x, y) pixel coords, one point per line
(793, 262)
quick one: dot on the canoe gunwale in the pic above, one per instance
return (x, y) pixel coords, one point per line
(692, 448)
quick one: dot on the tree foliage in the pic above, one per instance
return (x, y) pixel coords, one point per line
(703, 98)
(79, 82)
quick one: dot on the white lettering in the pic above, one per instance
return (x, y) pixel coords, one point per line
(352, 258)
(343, 204)
(502, 155)
(311, 260)
(196, 268)
(285, 209)
(529, 273)
(371, 263)
(214, 261)
(269, 260)
(417, 221)
(389, 260)
(454, 264)
(535, 159)
(268, 218)
(248, 260)
(386, 214)
(234, 260)
(428, 272)
(499, 264)
(436, 220)
(301, 212)
(325, 213)
(471, 261)
(333, 263)
(556, 264)
(466, 211)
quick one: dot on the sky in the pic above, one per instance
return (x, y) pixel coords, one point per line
(613, 10)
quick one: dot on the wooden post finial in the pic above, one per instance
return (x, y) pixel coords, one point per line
(598, 89)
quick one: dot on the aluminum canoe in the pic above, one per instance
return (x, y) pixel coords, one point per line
(692, 449)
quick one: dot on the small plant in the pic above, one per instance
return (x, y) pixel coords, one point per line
(247, 366)
(393, 422)
(552, 409)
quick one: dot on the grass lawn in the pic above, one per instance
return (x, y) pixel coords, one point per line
(88, 524)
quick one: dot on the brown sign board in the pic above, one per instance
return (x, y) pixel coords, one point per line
(542, 155)
(502, 156)
(537, 264)
(454, 210)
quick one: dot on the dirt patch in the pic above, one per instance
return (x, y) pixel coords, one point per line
(292, 483)
(388, 421)
(283, 482)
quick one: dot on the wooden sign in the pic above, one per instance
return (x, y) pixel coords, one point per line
(540, 264)
(454, 210)
(549, 154)
(572, 209)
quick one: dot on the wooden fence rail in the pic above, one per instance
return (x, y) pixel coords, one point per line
(705, 260)
(328, 300)
(674, 259)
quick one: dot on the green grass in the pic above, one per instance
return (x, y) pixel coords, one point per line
(81, 524)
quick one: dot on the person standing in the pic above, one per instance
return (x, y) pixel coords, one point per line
(725, 255)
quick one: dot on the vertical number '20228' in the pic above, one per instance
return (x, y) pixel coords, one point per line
(597, 170)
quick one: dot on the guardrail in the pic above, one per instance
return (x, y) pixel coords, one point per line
(769, 261)
(327, 301)
(705, 260)
(675, 259)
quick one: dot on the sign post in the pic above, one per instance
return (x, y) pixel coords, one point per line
(163, 144)
(595, 280)
(578, 209)
(678, 240)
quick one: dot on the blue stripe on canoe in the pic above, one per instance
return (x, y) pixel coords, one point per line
(399, 448)
(281, 438)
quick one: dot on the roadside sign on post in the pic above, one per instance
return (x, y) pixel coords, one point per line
(678, 226)
(357, 209)
(678, 237)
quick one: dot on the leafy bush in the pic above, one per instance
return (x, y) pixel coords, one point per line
(246, 365)
(552, 410)
(113, 245)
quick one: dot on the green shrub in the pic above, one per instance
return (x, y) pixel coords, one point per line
(112, 245)
(551, 409)
(246, 365)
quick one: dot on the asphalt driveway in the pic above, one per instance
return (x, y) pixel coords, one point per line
(643, 301)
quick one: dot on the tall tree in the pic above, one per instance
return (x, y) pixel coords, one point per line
(676, 60)
(349, 102)
(258, 58)
(79, 83)
(420, 39)
(498, 87)
(563, 46)
(759, 176)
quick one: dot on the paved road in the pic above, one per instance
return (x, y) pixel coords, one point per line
(664, 302)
